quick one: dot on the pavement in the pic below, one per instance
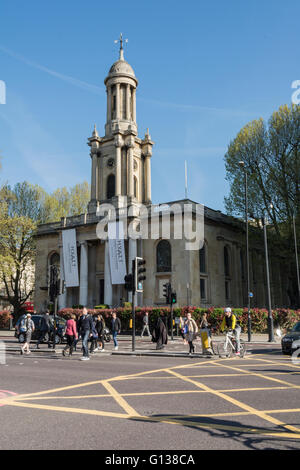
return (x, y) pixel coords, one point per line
(143, 347)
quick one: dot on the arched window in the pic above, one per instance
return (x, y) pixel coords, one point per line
(226, 261)
(135, 186)
(203, 273)
(54, 259)
(163, 257)
(110, 188)
(202, 259)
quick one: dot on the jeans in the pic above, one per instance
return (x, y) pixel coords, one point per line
(85, 338)
(42, 337)
(145, 327)
(114, 334)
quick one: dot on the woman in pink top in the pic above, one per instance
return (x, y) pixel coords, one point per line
(71, 334)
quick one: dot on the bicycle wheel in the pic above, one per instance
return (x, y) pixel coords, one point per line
(223, 349)
(242, 349)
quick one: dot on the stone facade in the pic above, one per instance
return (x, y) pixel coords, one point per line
(121, 175)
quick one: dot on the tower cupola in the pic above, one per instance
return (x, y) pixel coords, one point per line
(121, 86)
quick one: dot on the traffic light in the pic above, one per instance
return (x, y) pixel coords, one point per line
(173, 298)
(167, 292)
(139, 273)
(128, 282)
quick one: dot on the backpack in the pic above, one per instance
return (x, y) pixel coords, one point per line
(23, 328)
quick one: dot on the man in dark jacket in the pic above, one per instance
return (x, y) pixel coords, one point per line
(45, 328)
(160, 334)
(115, 329)
(85, 327)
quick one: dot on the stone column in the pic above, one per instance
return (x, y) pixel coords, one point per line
(118, 103)
(62, 299)
(101, 185)
(108, 90)
(134, 105)
(83, 288)
(132, 253)
(148, 178)
(98, 175)
(107, 277)
(94, 189)
(130, 187)
(118, 144)
(128, 113)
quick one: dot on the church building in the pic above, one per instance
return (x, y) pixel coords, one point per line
(212, 275)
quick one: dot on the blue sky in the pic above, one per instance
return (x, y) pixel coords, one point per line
(205, 69)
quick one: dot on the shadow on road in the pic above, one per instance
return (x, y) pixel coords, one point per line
(246, 436)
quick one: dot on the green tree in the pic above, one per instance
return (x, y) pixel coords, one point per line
(65, 202)
(272, 160)
(20, 212)
(271, 154)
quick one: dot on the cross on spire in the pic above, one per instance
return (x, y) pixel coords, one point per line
(121, 40)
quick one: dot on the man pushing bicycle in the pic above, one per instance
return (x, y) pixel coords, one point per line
(230, 322)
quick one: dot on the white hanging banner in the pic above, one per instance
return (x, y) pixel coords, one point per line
(70, 257)
(116, 252)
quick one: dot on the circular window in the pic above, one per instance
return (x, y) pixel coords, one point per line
(110, 163)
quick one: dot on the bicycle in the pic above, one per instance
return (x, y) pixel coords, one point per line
(227, 347)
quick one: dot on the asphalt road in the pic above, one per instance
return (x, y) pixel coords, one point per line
(123, 402)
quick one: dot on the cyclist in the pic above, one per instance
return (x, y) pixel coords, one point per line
(230, 322)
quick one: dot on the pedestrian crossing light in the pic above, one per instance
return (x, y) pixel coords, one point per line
(167, 292)
(140, 271)
(128, 282)
(173, 298)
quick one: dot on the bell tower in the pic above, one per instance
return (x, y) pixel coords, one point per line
(121, 85)
(121, 168)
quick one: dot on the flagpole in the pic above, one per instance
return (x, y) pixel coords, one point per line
(185, 169)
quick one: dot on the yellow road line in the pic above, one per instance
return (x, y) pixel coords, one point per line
(256, 374)
(69, 410)
(60, 389)
(99, 382)
(288, 364)
(238, 403)
(165, 420)
(142, 394)
(119, 399)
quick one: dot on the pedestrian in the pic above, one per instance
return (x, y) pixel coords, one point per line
(29, 329)
(278, 332)
(205, 334)
(45, 328)
(230, 322)
(145, 324)
(20, 325)
(71, 334)
(85, 328)
(100, 325)
(94, 336)
(181, 329)
(77, 321)
(191, 329)
(115, 329)
(160, 333)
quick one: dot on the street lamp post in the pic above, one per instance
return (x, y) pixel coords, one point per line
(270, 316)
(242, 165)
